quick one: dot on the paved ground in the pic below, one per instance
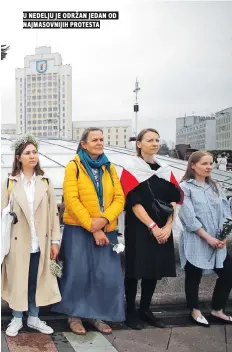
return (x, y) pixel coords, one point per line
(177, 339)
(179, 336)
(174, 339)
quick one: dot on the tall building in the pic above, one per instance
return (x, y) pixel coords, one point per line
(44, 95)
(198, 131)
(116, 132)
(224, 129)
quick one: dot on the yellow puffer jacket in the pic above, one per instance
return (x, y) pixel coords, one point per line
(81, 200)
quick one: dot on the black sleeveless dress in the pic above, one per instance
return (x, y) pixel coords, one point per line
(145, 257)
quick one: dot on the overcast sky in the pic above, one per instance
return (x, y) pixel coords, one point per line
(181, 53)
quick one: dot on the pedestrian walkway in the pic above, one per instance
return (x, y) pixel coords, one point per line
(217, 338)
(58, 342)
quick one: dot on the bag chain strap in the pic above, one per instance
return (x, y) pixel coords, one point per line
(149, 186)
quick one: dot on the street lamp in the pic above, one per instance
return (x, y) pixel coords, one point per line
(136, 107)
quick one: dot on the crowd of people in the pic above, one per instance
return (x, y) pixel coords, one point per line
(92, 287)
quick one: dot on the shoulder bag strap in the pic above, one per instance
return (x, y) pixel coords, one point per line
(149, 186)
(9, 186)
(77, 174)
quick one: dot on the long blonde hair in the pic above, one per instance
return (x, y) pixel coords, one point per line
(190, 173)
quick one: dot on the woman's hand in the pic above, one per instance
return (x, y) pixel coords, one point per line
(156, 231)
(213, 242)
(100, 238)
(98, 224)
(222, 244)
(55, 248)
(166, 232)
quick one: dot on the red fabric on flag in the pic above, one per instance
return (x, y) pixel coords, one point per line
(174, 181)
(128, 181)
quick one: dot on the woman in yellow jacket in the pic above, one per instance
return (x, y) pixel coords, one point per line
(92, 282)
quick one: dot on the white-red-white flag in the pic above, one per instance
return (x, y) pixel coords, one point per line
(134, 171)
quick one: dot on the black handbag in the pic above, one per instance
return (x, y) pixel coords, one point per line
(162, 209)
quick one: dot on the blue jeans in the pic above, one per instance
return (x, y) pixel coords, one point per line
(32, 283)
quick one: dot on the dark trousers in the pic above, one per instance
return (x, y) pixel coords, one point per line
(32, 284)
(148, 288)
(222, 288)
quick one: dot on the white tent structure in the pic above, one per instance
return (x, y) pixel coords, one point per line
(54, 155)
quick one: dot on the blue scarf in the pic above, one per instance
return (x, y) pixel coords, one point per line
(90, 164)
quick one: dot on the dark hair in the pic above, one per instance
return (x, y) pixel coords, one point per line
(17, 165)
(140, 138)
(85, 135)
(190, 173)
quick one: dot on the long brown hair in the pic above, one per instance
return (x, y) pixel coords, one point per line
(190, 173)
(85, 135)
(17, 165)
(140, 137)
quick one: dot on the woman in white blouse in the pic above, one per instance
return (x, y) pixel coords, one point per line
(27, 281)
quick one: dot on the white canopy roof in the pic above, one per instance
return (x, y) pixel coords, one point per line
(54, 155)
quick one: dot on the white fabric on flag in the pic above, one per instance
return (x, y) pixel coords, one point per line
(135, 171)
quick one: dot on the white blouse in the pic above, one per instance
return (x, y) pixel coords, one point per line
(29, 187)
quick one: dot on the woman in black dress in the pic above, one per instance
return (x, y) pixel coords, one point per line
(149, 241)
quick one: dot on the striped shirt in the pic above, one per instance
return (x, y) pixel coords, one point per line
(202, 208)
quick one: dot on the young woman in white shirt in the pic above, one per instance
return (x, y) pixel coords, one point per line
(27, 281)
